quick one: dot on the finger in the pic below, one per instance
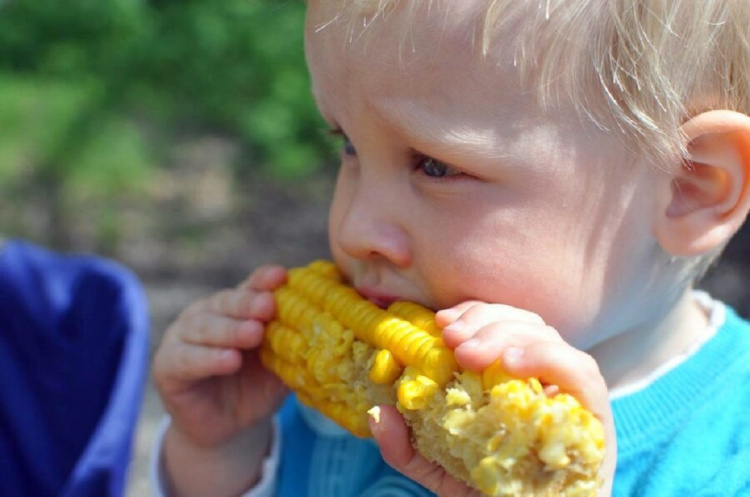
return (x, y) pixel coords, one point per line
(242, 304)
(480, 315)
(190, 363)
(213, 330)
(489, 342)
(265, 278)
(392, 435)
(446, 316)
(572, 370)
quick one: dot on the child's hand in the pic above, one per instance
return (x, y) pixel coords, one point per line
(210, 377)
(392, 435)
(480, 334)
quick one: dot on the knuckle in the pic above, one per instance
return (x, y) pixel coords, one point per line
(503, 331)
(434, 477)
(157, 368)
(549, 330)
(194, 308)
(200, 330)
(246, 304)
(186, 362)
(536, 318)
(256, 279)
(236, 330)
(496, 332)
(473, 310)
(589, 368)
(239, 303)
(203, 329)
(220, 302)
(524, 315)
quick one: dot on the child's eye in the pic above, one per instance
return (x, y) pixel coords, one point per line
(434, 168)
(348, 146)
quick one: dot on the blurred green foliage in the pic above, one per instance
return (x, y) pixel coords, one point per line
(92, 91)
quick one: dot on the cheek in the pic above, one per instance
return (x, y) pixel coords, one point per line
(340, 202)
(536, 266)
(335, 215)
(533, 278)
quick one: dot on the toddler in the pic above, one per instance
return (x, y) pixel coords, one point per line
(552, 177)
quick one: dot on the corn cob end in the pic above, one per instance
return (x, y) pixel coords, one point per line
(344, 356)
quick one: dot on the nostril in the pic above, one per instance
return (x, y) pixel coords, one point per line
(365, 225)
(377, 241)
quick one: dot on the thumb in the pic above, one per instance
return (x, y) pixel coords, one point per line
(392, 436)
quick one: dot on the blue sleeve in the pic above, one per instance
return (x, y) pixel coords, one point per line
(315, 461)
(297, 450)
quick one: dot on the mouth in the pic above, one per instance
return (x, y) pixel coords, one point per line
(380, 299)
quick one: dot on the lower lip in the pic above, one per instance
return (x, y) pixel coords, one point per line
(382, 303)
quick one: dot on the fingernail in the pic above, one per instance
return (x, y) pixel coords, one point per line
(512, 354)
(472, 343)
(456, 325)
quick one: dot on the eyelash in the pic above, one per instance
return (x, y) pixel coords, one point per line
(339, 134)
(421, 160)
(418, 159)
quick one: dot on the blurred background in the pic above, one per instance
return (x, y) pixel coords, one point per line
(180, 138)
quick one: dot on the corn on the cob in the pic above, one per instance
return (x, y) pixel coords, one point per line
(343, 355)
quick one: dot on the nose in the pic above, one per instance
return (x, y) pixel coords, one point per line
(369, 225)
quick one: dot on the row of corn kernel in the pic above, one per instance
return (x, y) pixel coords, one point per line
(283, 354)
(410, 345)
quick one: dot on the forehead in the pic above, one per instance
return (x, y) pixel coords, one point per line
(432, 54)
(424, 76)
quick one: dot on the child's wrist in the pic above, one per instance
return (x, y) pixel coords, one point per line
(231, 467)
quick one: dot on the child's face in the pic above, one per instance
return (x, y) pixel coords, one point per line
(457, 187)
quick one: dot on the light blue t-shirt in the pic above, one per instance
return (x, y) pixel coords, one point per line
(685, 434)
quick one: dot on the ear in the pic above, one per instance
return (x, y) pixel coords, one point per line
(709, 195)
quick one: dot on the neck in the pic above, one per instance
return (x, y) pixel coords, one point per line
(633, 355)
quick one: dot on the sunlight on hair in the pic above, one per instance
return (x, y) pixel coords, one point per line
(621, 62)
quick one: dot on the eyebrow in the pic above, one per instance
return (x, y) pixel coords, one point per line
(425, 130)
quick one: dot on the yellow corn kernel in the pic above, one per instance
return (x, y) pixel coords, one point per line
(374, 413)
(416, 393)
(327, 269)
(385, 369)
(410, 345)
(345, 356)
(419, 316)
(494, 375)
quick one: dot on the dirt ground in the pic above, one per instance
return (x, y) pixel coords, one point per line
(287, 225)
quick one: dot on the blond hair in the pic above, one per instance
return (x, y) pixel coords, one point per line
(642, 67)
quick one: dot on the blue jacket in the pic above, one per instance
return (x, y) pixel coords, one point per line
(73, 360)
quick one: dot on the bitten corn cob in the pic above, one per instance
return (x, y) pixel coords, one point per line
(343, 355)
